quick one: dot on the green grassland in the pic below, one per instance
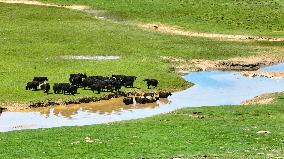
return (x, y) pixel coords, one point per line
(34, 38)
(258, 17)
(224, 132)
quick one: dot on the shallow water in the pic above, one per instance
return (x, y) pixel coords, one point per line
(212, 88)
(277, 67)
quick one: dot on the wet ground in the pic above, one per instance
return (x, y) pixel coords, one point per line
(212, 88)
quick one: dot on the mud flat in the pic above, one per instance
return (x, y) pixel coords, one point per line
(262, 99)
(236, 64)
(263, 74)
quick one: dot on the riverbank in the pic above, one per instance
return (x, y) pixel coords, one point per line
(214, 132)
(249, 64)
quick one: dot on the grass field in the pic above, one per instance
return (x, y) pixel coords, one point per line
(33, 38)
(258, 17)
(224, 132)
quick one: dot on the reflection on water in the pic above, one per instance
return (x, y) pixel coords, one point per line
(105, 107)
(211, 88)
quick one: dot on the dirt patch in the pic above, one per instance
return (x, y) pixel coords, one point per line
(263, 74)
(91, 57)
(225, 37)
(73, 7)
(252, 63)
(262, 99)
(12, 107)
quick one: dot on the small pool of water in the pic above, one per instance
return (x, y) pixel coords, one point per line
(212, 88)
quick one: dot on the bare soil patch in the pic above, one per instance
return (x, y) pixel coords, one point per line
(73, 7)
(261, 100)
(263, 74)
(252, 63)
(224, 37)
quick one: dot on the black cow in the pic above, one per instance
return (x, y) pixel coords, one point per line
(127, 81)
(165, 94)
(98, 86)
(40, 79)
(65, 87)
(57, 88)
(45, 87)
(88, 82)
(141, 100)
(32, 85)
(116, 85)
(151, 82)
(128, 100)
(2, 109)
(77, 79)
(72, 89)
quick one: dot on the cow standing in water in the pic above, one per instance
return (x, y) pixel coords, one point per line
(2, 109)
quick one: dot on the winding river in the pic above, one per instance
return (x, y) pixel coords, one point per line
(212, 88)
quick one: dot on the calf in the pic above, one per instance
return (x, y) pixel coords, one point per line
(151, 82)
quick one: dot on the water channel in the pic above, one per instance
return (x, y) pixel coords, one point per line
(212, 88)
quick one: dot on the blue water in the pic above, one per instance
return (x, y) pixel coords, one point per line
(277, 67)
(212, 88)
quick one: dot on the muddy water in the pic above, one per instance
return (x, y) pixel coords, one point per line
(211, 88)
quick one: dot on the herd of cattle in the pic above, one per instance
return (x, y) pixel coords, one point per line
(98, 84)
